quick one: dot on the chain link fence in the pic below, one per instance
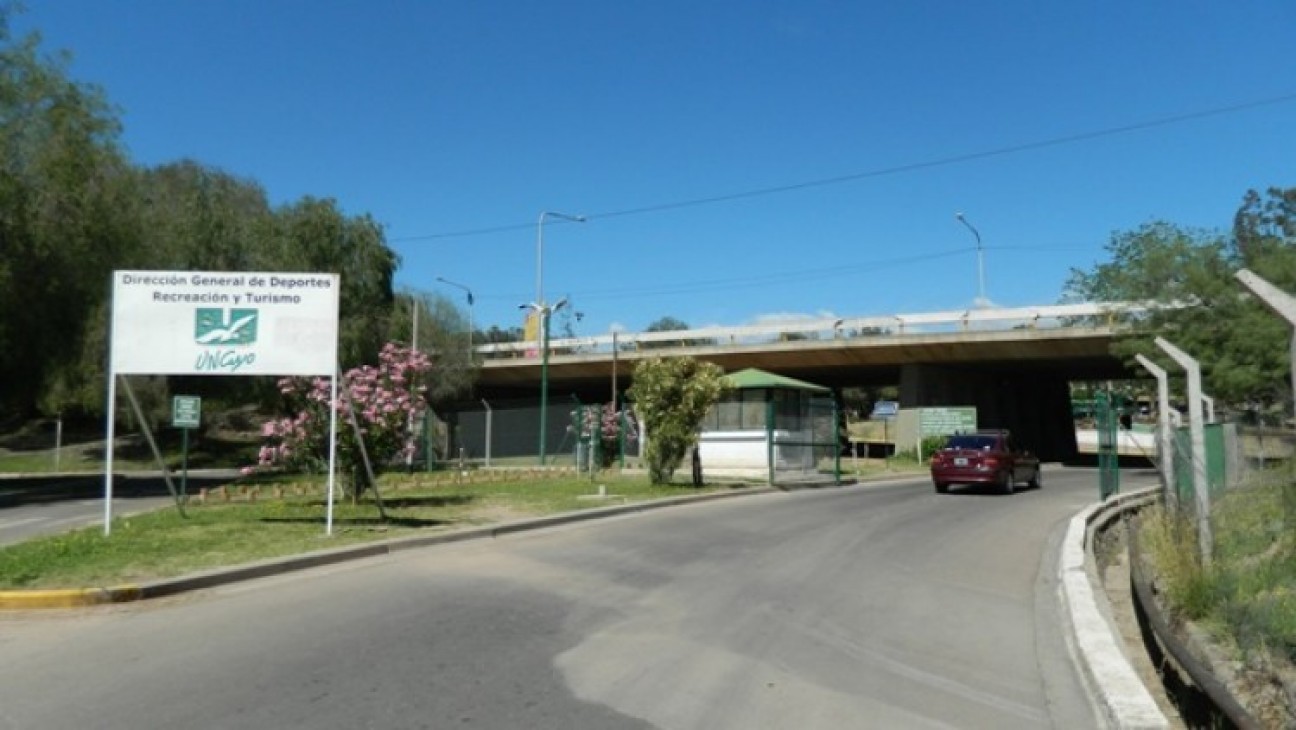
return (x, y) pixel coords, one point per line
(505, 433)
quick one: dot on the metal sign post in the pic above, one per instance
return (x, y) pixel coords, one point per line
(186, 414)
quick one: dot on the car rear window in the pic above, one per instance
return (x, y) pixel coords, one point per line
(977, 443)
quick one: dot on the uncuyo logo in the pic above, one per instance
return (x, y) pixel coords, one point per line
(222, 330)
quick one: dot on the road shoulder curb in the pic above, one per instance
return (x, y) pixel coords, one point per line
(1116, 688)
(69, 597)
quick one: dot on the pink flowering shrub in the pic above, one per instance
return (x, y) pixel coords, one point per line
(606, 424)
(386, 399)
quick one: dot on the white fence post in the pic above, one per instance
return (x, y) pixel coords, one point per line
(1197, 431)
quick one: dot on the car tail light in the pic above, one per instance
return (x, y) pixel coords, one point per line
(991, 461)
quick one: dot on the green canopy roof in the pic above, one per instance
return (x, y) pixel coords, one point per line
(753, 378)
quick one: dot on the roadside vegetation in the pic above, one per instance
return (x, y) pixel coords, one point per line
(672, 396)
(275, 517)
(1249, 591)
(1245, 601)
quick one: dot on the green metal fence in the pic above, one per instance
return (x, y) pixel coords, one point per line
(803, 440)
(1107, 418)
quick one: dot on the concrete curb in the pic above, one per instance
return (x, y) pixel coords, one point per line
(1119, 692)
(68, 598)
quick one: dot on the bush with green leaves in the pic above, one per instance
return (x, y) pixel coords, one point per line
(671, 396)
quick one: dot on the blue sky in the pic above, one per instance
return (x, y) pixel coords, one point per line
(455, 124)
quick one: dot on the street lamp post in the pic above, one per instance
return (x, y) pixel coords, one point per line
(414, 305)
(467, 291)
(540, 248)
(545, 313)
(981, 296)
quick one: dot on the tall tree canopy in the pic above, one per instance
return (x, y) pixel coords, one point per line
(73, 208)
(1241, 346)
(65, 188)
(666, 324)
(443, 334)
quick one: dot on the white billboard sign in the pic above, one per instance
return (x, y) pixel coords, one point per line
(224, 323)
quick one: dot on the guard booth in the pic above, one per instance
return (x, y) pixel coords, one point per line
(771, 428)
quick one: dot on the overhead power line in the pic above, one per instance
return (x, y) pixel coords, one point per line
(782, 277)
(886, 171)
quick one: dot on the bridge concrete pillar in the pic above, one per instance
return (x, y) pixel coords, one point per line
(1035, 406)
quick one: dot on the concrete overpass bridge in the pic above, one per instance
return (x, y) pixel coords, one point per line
(1014, 365)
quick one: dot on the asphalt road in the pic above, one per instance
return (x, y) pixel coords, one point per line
(875, 606)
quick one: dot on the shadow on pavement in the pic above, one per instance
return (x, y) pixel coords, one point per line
(363, 521)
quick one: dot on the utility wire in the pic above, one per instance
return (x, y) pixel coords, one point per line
(886, 171)
(781, 277)
(760, 280)
(763, 280)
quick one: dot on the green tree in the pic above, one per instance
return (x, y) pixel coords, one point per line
(73, 209)
(199, 218)
(666, 324)
(496, 335)
(194, 217)
(1265, 225)
(1241, 347)
(671, 324)
(672, 396)
(65, 191)
(443, 334)
(314, 235)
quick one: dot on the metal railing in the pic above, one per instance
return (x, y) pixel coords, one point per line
(968, 320)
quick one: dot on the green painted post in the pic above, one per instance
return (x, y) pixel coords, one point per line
(769, 441)
(621, 431)
(186, 414)
(836, 443)
(184, 462)
(544, 380)
(1106, 420)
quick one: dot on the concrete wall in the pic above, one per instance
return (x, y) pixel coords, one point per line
(747, 453)
(1033, 404)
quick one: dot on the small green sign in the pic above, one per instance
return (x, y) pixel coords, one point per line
(945, 421)
(186, 411)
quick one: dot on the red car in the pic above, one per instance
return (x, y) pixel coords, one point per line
(984, 457)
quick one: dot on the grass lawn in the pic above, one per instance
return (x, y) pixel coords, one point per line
(286, 516)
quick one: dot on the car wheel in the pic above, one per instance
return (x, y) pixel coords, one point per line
(1036, 480)
(941, 487)
(1006, 483)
